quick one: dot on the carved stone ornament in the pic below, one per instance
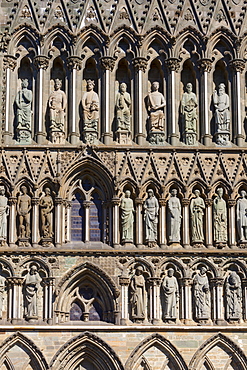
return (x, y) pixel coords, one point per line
(74, 62)
(205, 64)
(107, 63)
(10, 62)
(41, 62)
(140, 63)
(172, 64)
(238, 65)
(204, 2)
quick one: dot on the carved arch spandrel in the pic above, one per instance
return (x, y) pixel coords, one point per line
(86, 346)
(27, 345)
(226, 344)
(157, 340)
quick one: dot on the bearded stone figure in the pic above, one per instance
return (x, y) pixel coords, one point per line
(201, 295)
(233, 297)
(138, 295)
(189, 115)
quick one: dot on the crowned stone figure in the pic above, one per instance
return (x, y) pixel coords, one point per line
(90, 106)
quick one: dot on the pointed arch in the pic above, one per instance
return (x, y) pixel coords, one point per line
(126, 34)
(226, 37)
(156, 36)
(210, 265)
(95, 277)
(158, 341)
(94, 34)
(189, 34)
(226, 344)
(37, 359)
(20, 33)
(86, 346)
(58, 32)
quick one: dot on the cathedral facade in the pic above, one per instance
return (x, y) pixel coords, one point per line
(123, 185)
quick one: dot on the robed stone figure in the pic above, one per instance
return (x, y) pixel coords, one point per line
(171, 295)
(233, 296)
(197, 207)
(201, 295)
(4, 212)
(174, 217)
(151, 211)
(242, 216)
(127, 217)
(138, 295)
(31, 285)
(220, 218)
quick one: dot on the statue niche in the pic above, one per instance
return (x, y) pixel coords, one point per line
(127, 218)
(30, 291)
(138, 295)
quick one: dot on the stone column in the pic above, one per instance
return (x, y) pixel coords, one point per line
(209, 223)
(124, 282)
(244, 302)
(41, 62)
(74, 64)
(86, 205)
(156, 306)
(115, 206)
(12, 221)
(15, 286)
(107, 65)
(217, 300)
(238, 66)
(205, 66)
(162, 226)
(48, 308)
(139, 222)
(58, 224)
(104, 207)
(186, 223)
(35, 222)
(173, 66)
(9, 64)
(68, 207)
(232, 223)
(140, 65)
(186, 300)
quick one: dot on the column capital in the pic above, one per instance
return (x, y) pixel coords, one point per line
(186, 281)
(173, 64)
(58, 201)
(162, 202)
(140, 63)
(208, 202)
(124, 280)
(12, 201)
(185, 202)
(231, 202)
(48, 281)
(217, 281)
(237, 65)
(154, 281)
(244, 282)
(115, 201)
(14, 280)
(139, 201)
(86, 203)
(107, 63)
(205, 64)
(10, 62)
(68, 203)
(41, 62)
(35, 201)
(74, 62)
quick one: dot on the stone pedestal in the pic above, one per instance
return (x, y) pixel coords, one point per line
(24, 242)
(57, 137)
(123, 137)
(156, 137)
(24, 136)
(189, 138)
(222, 138)
(3, 242)
(47, 242)
(90, 136)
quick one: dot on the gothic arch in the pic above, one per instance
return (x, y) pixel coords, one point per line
(125, 34)
(93, 34)
(143, 262)
(95, 275)
(57, 32)
(86, 346)
(235, 262)
(158, 341)
(210, 265)
(37, 359)
(34, 261)
(175, 263)
(20, 34)
(189, 34)
(226, 38)
(162, 38)
(226, 344)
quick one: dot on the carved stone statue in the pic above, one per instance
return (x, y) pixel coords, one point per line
(127, 217)
(151, 211)
(233, 292)
(222, 115)
(23, 211)
(242, 216)
(2, 288)
(57, 105)
(174, 217)
(155, 104)
(46, 206)
(31, 286)
(138, 295)
(4, 212)
(123, 104)
(189, 115)
(201, 295)
(220, 218)
(23, 103)
(171, 295)
(197, 207)
(90, 106)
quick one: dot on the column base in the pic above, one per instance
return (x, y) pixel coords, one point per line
(163, 246)
(157, 321)
(210, 246)
(50, 321)
(239, 140)
(139, 246)
(116, 245)
(8, 137)
(74, 138)
(207, 140)
(220, 322)
(40, 138)
(174, 139)
(140, 139)
(107, 138)
(186, 246)
(124, 321)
